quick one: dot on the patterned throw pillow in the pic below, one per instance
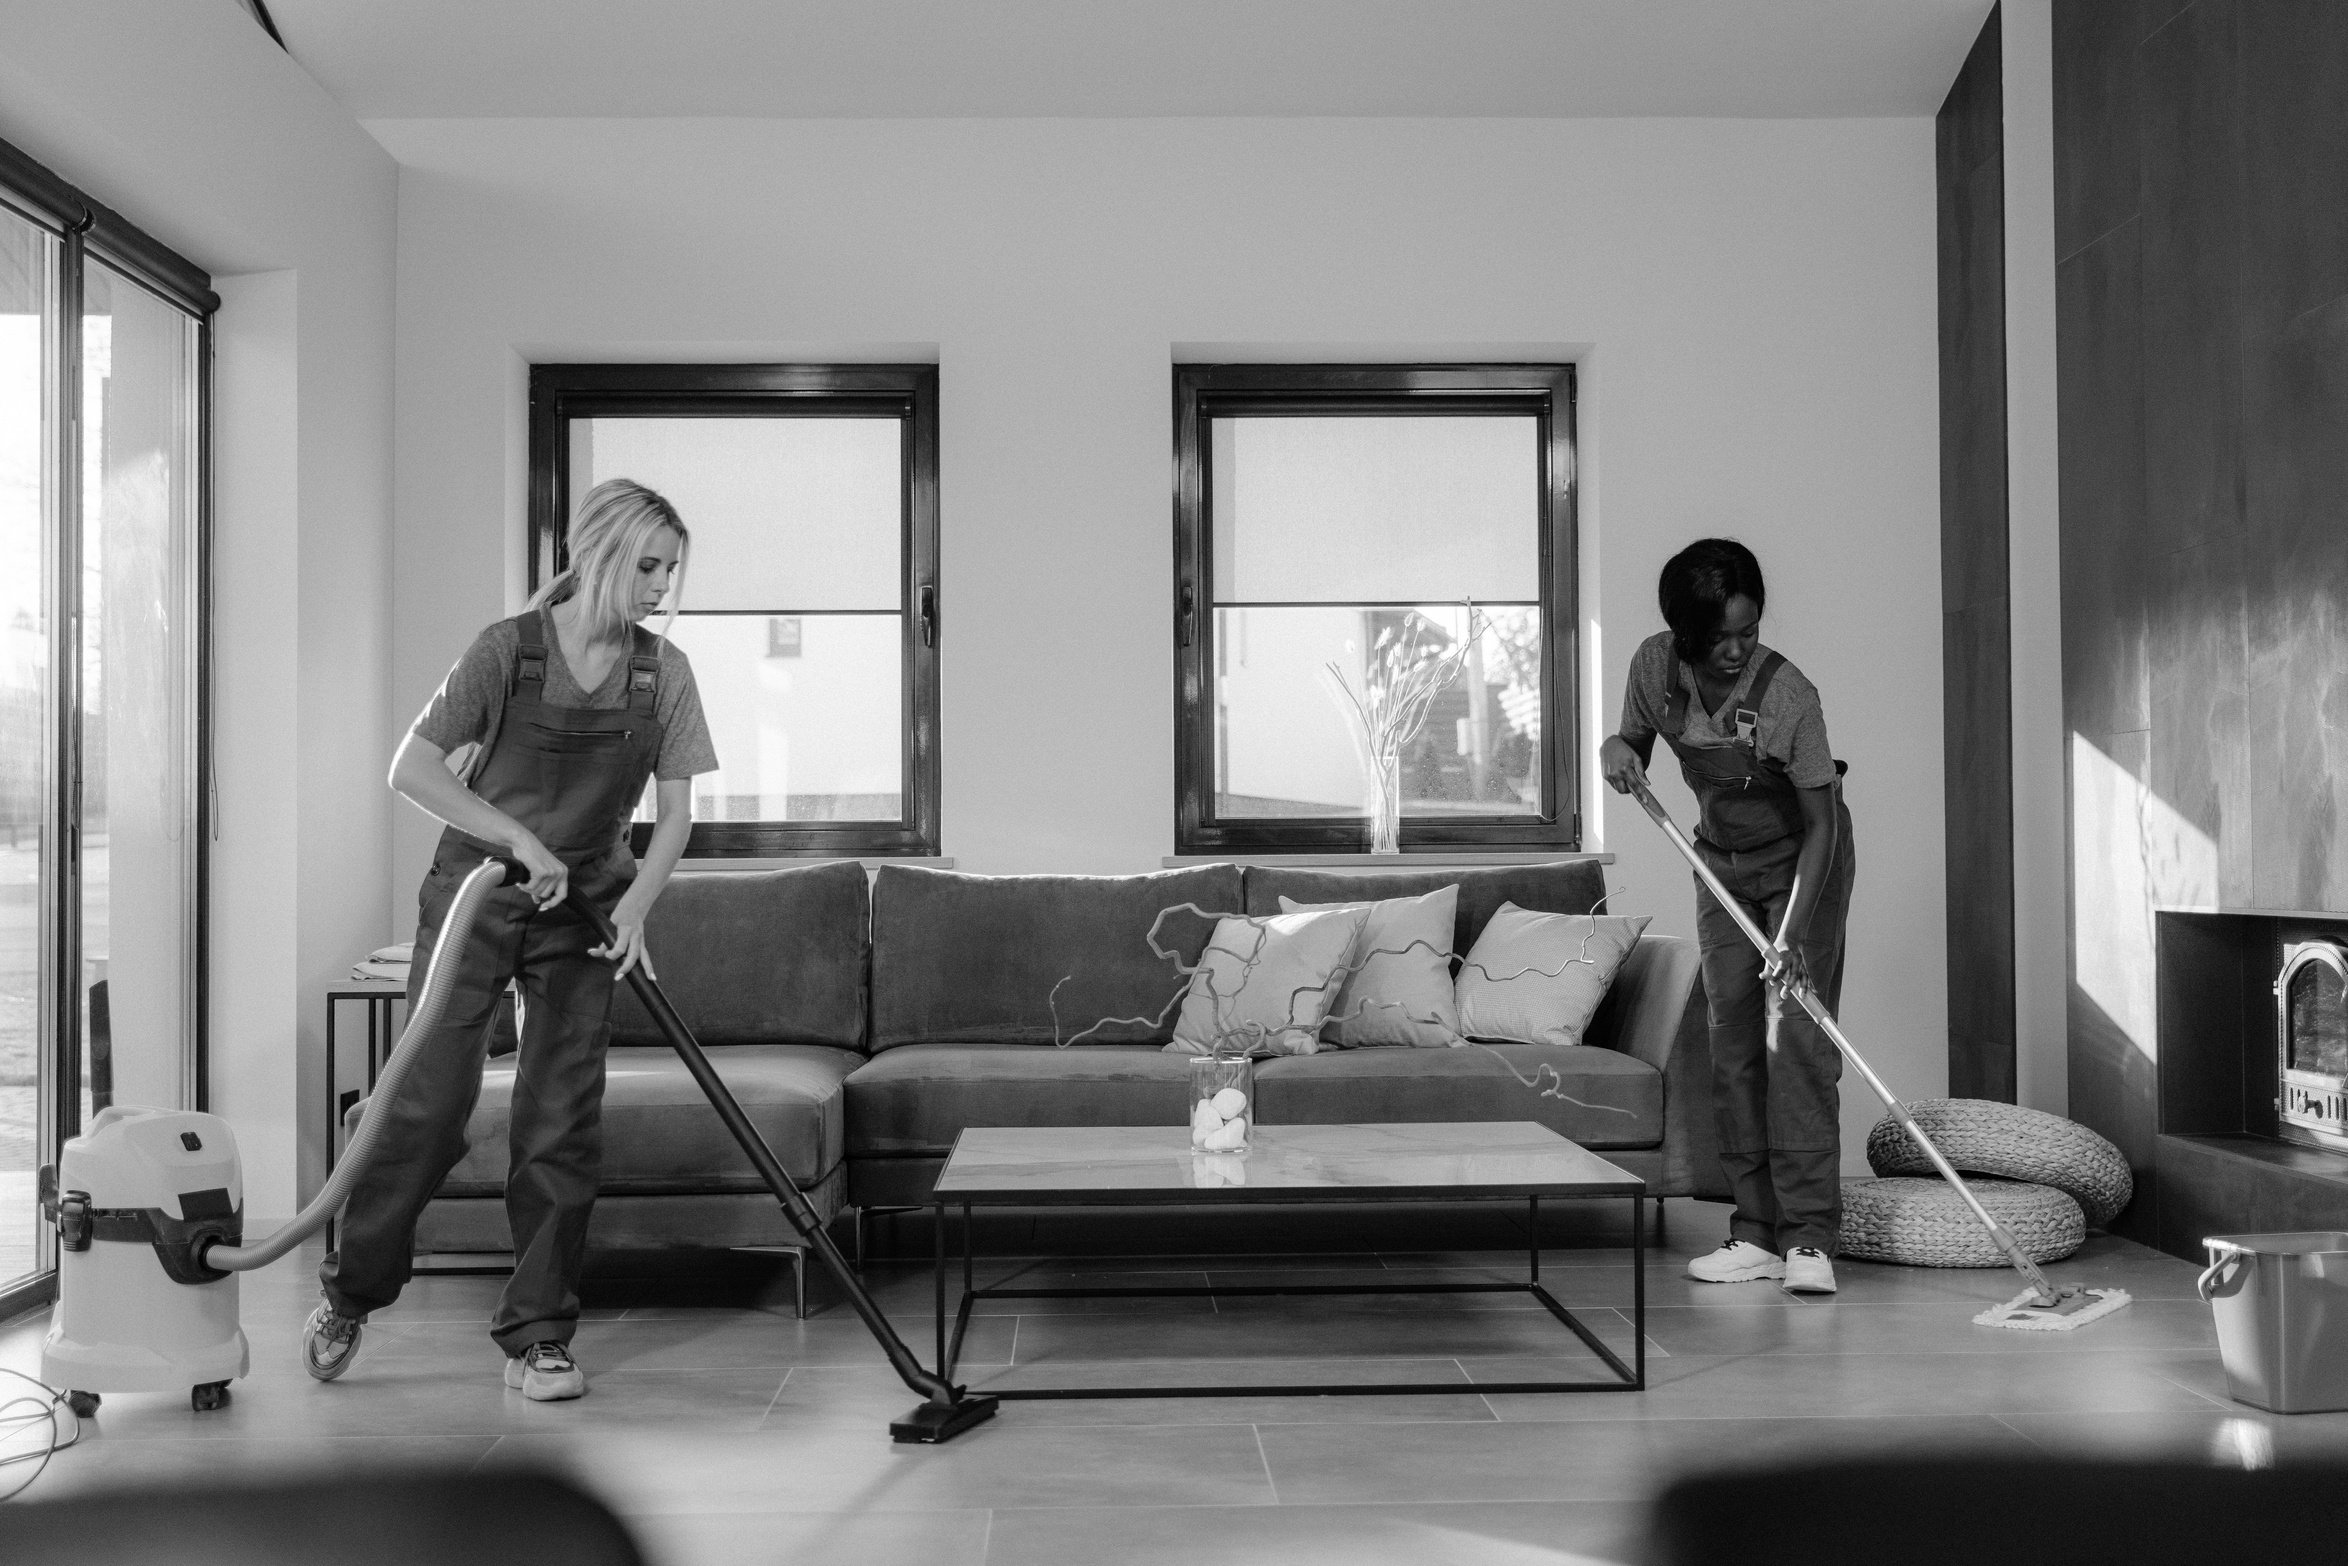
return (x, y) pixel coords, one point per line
(1265, 982)
(1399, 988)
(1537, 978)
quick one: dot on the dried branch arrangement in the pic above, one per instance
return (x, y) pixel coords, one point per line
(1232, 1039)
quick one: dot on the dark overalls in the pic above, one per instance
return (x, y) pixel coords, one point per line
(1778, 1107)
(572, 775)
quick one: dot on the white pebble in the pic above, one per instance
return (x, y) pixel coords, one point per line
(1203, 1117)
(1230, 1135)
(1229, 1103)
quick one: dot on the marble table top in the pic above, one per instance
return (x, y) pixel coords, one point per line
(1119, 1165)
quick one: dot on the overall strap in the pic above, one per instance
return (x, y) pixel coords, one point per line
(644, 672)
(1748, 711)
(530, 657)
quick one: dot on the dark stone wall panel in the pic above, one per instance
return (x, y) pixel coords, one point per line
(1976, 732)
(1974, 550)
(2095, 114)
(2298, 610)
(2100, 409)
(2200, 757)
(2294, 56)
(1976, 644)
(2192, 142)
(2114, 1086)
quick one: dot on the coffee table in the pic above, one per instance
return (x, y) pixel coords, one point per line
(1153, 1166)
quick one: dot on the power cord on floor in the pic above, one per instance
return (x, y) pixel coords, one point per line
(21, 1417)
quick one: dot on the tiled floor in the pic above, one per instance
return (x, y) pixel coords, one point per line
(725, 1431)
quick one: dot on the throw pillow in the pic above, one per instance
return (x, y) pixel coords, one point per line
(1398, 985)
(1265, 982)
(1537, 978)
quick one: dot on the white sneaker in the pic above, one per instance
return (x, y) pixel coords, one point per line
(546, 1373)
(1737, 1261)
(1808, 1271)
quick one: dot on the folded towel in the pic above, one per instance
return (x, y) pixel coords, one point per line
(371, 969)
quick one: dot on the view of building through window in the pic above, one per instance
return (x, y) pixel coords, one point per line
(1347, 550)
(792, 603)
(28, 259)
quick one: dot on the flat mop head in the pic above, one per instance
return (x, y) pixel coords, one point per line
(2073, 1307)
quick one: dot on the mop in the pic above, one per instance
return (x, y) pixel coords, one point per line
(2042, 1307)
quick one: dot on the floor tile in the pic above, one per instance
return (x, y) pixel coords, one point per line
(1308, 1329)
(862, 1398)
(957, 1538)
(2244, 1436)
(97, 1463)
(1860, 1386)
(1940, 1326)
(1580, 1461)
(827, 1469)
(1548, 1533)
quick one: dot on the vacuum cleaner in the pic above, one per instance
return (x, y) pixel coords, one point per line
(2040, 1307)
(149, 1210)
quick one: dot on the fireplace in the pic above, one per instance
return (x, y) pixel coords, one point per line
(2311, 1040)
(2248, 1118)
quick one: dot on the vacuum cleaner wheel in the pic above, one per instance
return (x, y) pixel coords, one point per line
(83, 1404)
(207, 1396)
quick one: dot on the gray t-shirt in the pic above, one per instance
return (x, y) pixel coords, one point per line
(1792, 721)
(459, 712)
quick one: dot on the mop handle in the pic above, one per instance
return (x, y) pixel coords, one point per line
(1809, 1002)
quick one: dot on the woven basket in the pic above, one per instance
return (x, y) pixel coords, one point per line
(2013, 1143)
(1924, 1223)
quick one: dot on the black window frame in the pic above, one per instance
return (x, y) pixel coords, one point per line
(1204, 391)
(89, 230)
(562, 392)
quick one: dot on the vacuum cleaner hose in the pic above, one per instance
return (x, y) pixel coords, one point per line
(423, 1021)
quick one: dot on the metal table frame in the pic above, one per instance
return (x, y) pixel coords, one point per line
(1627, 1378)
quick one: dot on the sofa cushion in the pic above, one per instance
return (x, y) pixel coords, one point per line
(1264, 984)
(917, 1099)
(758, 957)
(1538, 978)
(659, 1133)
(1562, 886)
(1399, 989)
(977, 958)
(1599, 1098)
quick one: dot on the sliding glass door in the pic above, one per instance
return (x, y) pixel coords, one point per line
(102, 810)
(29, 329)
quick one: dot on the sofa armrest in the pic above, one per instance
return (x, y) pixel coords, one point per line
(1655, 1012)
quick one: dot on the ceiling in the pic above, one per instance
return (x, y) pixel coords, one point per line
(410, 59)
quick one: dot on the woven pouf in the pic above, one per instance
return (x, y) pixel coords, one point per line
(1981, 1136)
(1924, 1223)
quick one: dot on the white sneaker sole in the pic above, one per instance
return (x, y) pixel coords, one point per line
(1810, 1288)
(1756, 1273)
(544, 1389)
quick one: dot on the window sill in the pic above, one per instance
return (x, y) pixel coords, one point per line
(1447, 859)
(728, 866)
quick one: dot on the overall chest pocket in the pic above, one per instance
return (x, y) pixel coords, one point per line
(554, 741)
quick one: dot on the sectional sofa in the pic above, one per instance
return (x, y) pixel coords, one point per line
(864, 1021)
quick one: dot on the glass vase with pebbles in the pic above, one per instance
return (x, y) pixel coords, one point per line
(1222, 1103)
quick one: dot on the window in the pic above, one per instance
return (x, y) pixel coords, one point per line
(102, 681)
(810, 600)
(1340, 528)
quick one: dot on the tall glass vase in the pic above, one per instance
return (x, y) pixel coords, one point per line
(1222, 1103)
(1382, 803)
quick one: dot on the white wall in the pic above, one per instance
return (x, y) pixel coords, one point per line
(183, 115)
(1753, 304)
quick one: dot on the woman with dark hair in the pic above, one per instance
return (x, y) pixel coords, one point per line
(1751, 740)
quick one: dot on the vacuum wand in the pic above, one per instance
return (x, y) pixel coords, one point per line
(949, 1410)
(2046, 1293)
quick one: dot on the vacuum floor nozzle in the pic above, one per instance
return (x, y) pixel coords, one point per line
(935, 1422)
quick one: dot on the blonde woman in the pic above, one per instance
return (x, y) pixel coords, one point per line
(570, 706)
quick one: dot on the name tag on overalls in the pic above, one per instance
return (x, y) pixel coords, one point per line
(1748, 727)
